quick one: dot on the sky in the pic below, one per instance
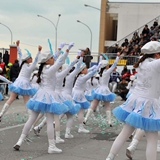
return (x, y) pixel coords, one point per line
(21, 17)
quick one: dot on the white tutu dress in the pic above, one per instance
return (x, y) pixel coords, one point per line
(67, 89)
(90, 85)
(22, 85)
(102, 92)
(142, 108)
(46, 99)
(79, 89)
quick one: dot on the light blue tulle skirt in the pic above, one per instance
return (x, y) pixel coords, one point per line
(128, 94)
(22, 87)
(46, 100)
(104, 97)
(1, 96)
(140, 113)
(84, 105)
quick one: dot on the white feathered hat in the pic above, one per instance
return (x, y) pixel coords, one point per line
(104, 63)
(83, 65)
(151, 47)
(26, 56)
(45, 56)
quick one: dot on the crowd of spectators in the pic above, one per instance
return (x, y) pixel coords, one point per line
(9, 71)
(133, 46)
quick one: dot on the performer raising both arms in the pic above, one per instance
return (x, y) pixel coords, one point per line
(22, 85)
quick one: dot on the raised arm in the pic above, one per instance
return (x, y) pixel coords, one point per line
(5, 79)
(19, 52)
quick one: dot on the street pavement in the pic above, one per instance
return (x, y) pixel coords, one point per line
(92, 146)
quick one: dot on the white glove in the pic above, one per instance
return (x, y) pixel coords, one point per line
(62, 44)
(79, 53)
(71, 44)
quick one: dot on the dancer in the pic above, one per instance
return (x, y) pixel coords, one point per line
(102, 93)
(46, 100)
(22, 85)
(141, 109)
(6, 81)
(78, 93)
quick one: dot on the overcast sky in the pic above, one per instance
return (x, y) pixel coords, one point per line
(21, 17)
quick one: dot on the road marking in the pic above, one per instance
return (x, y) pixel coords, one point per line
(11, 127)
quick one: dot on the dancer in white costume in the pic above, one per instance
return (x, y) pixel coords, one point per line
(22, 85)
(46, 100)
(131, 85)
(141, 109)
(4, 80)
(102, 92)
(78, 93)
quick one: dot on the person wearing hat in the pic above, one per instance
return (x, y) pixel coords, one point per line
(21, 85)
(78, 92)
(131, 85)
(141, 109)
(102, 92)
(46, 100)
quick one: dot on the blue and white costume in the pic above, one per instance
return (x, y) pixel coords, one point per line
(103, 92)
(79, 89)
(67, 89)
(22, 85)
(46, 99)
(141, 109)
(90, 85)
(4, 80)
(60, 75)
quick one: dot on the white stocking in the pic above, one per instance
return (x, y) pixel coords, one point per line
(50, 129)
(139, 134)
(69, 120)
(94, 104)
(57, 122)
(121, 139)
(30, 122)
(151, 150)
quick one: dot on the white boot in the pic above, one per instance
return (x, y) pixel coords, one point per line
(52, 147)
(111, 156)
(89, 112)
(108, 118)
(82, 129)
(68, 133)
(4, 110)
(58, 138)
(20, 141)
(132, 147)
(38, 128)
(158, 146)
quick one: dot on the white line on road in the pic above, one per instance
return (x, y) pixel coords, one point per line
(11, 127)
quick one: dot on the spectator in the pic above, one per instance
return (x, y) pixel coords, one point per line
(145, 30)
(122, 90)
(114, 80)
(6, 58)
(87, 57)
(125, 73)
(125, 43)
(14, 72)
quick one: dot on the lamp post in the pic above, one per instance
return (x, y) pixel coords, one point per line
(90, 33)
(55, 26)
(9, 30)
(86, 5)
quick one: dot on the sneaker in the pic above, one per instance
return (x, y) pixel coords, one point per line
(83, 130)
(36, 130)
(59, 140)
(68, 135)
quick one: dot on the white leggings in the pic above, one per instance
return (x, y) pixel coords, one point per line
(151, 152)
(33, 117)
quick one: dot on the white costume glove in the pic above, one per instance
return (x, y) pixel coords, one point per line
(62, 45)
(71, 44)
(79, 53)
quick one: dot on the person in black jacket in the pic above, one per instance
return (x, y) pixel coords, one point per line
(6, 58)
(14, 72)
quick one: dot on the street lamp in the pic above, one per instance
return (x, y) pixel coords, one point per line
(86, 5)
(55, 26)
(90, 32)
(9, 30)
